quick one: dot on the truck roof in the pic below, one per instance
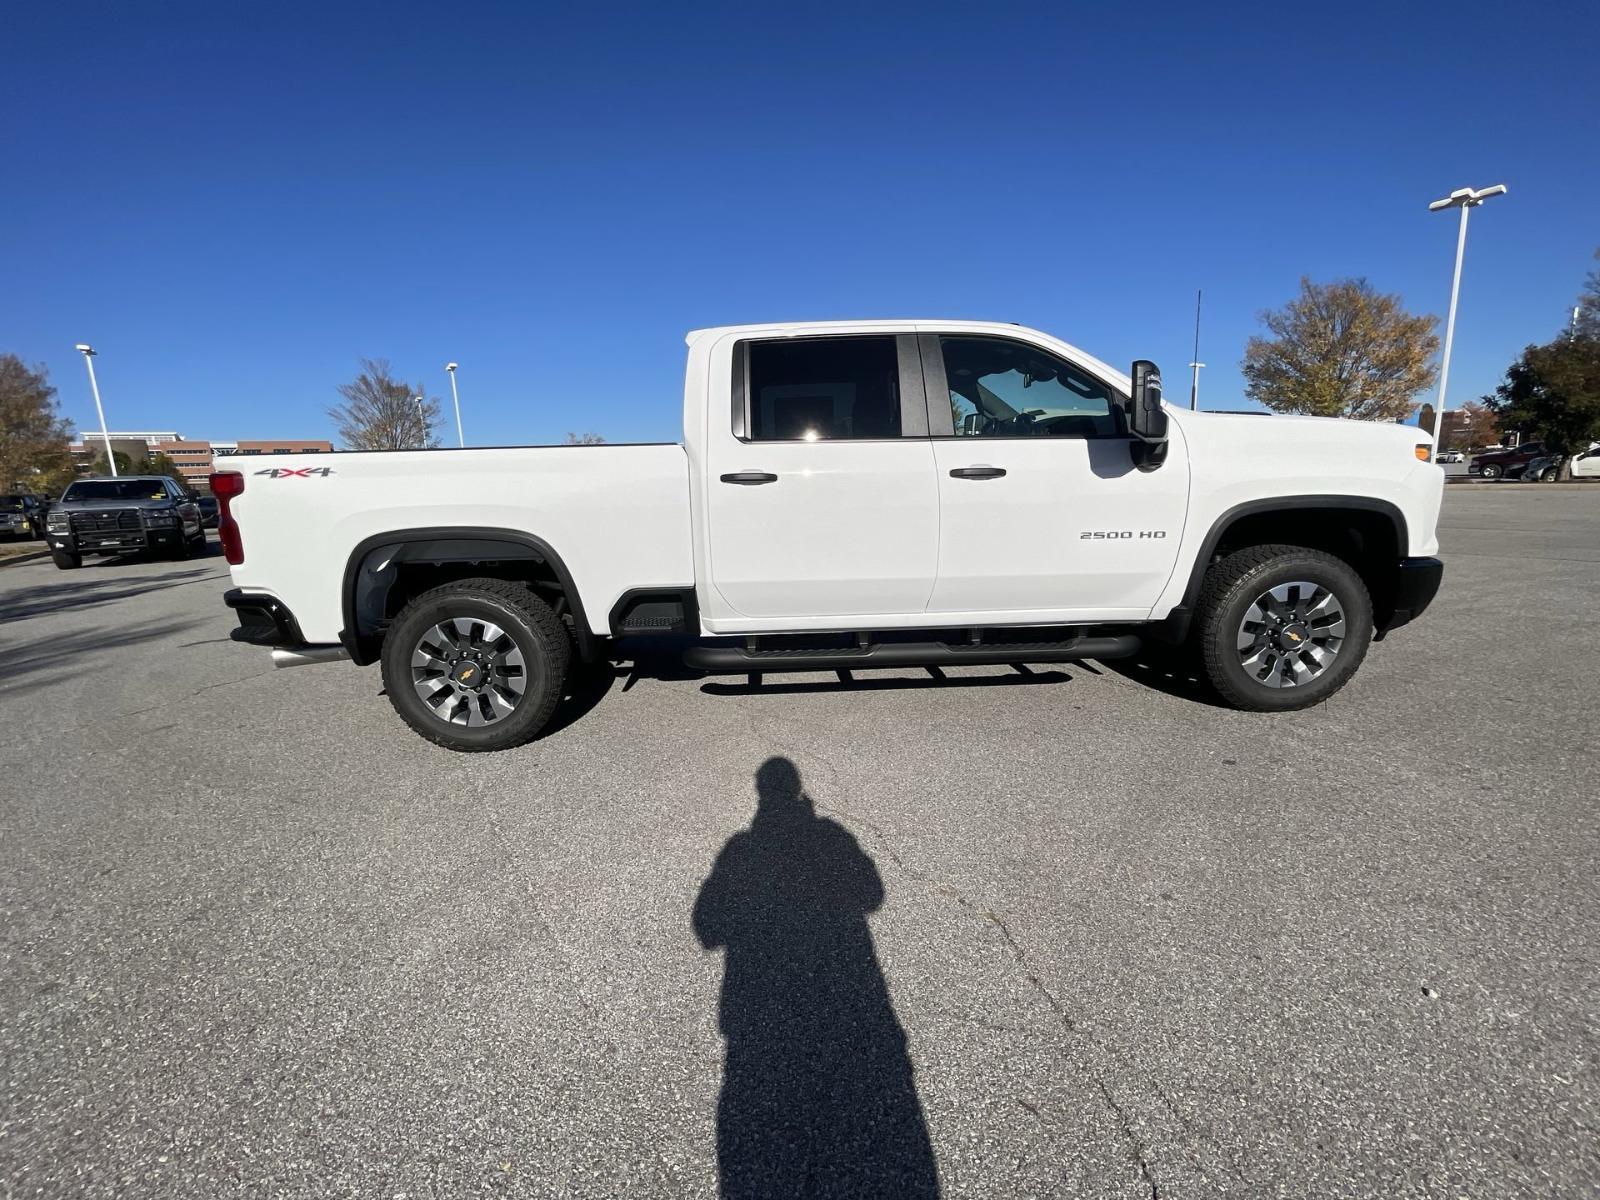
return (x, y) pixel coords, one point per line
(904, 325)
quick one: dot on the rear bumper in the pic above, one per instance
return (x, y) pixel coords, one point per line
(263, 620)
(1416, 584)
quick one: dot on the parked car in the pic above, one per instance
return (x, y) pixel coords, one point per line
(22, 515)
(1505, 464)
(1449, 456)
(121, 515)
(868, 494)
(208, 511)
(1586, 465)
(1543, 469)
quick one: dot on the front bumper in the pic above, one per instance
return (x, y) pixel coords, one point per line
(119, 541)
(263, 620)
(1416, 584)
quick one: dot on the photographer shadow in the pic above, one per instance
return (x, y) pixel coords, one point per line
(818, 1092)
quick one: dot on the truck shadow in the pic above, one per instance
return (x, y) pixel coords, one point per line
(76, 592)
(818, 1092)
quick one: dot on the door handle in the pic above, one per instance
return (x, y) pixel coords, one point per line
(750, 478)
(977, 473)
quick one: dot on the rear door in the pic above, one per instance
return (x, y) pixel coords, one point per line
(1043, 515)
(821, 499)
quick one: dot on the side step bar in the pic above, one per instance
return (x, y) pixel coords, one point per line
(738, 660)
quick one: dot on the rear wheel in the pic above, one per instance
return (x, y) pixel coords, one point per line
(1490, 471)
(65, 561)
(476, 665)
(1282, 627)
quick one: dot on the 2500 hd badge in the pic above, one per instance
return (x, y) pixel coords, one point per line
(1100, 535)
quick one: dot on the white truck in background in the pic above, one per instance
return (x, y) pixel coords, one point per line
(848, 495)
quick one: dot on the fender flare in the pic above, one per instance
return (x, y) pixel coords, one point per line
(1176, 623)
(363, 646)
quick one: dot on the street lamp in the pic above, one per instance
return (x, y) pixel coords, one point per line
(1465, 199)
(88, 360)
(422, 416)
(461, 439)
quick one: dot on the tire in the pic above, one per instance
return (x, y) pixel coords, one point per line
(65, 561)
(1269, 673)
(1490, 472)
(1548, 475)
(180, 551)
(529, 631)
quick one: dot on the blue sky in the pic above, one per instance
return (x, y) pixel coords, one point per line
(236, 202)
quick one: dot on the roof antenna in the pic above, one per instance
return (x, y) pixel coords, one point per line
(1194, 383)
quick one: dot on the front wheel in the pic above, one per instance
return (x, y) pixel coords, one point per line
(65, 561)
(1282, 627)
(476, 665)
(1490, 472)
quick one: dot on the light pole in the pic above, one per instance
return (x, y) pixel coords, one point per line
(422, 417)
(1465, 199)
(461, 439)
(88, 360)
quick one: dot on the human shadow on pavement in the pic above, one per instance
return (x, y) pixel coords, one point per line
(818, 1094)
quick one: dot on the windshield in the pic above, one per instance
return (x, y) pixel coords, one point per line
(117, 489)
(10, 503)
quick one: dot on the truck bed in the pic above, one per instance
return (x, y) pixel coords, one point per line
(615, 515)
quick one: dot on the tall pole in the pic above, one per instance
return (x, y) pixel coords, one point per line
(422, 419)
(461, 439)
(1450, 329)
(1194, 382)
(94, 386)
(1464, 199)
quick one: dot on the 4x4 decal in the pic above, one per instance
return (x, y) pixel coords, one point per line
(295, 472)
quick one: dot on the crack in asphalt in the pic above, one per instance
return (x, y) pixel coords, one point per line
(1114, 1063)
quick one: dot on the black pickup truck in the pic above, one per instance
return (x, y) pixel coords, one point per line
(123, 516)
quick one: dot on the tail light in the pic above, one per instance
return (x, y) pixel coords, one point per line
(1423, 451)
(225, 485)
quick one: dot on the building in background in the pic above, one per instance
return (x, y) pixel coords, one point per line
(194, 459)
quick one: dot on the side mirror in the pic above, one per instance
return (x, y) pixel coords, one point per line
(1147, 420)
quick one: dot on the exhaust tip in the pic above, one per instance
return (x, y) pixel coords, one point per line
(304, 656)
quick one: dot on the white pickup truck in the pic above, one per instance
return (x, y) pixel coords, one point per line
(848, 495)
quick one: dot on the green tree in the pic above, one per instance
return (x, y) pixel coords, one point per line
(157, 463)
(381, 412)
(1552, 393)
(1341, 349)
(125, 465)
(33, 434)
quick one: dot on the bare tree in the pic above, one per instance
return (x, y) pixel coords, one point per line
(1342, 349)
(33, 435)
(584, 439)
(381, 412)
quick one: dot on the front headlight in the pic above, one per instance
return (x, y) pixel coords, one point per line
(159, 517)
(58, 522)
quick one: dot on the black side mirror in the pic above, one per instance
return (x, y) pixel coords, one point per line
(1147, 420)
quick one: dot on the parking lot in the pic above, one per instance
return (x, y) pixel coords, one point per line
(1069, 932)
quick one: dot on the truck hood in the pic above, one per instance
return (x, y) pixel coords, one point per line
(100, 505)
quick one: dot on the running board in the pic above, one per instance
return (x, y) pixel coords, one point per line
(737, 660)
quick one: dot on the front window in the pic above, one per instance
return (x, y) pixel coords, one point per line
(11, 503)
(824, 389)
(117, 489)
(1002, 388)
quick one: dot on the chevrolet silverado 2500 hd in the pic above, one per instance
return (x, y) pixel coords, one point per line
(848, 495)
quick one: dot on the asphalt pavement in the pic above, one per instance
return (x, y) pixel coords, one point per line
(1071, 932)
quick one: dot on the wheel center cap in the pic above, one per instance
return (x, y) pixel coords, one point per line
(468, 674)
(1293, 636)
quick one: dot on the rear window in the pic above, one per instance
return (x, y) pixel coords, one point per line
(824, 389)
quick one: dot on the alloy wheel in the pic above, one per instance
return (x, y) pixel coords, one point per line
(1291, 634)
(469, 671)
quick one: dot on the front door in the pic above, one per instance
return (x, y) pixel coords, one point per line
(821, 498)
(1043, 515)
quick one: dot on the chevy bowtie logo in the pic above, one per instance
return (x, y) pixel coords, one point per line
(1294, 637)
